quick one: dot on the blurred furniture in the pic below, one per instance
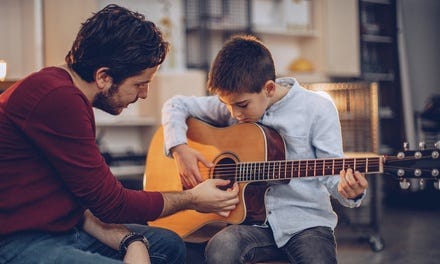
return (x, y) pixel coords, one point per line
(380, 63)
(357, 104)
(6, 84)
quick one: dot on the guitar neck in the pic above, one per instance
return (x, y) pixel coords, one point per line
(283, 170)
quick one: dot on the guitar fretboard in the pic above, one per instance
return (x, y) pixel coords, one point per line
(281, 170)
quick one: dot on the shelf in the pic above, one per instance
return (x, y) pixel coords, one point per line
(282, 31)
(386, 113)
(372, 76)
(383, 2)
(218, 28)
(125, 121)
(376, 38)
(6, 84)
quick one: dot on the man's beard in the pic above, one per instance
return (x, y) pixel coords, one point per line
(104, 101)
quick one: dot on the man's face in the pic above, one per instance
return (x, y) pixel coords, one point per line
(246, 107)
(114, 99)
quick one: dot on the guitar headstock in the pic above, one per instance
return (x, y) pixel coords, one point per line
(421, 165)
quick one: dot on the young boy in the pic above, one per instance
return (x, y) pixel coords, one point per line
(300, 218)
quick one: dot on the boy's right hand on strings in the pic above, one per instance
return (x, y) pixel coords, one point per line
(187, 160)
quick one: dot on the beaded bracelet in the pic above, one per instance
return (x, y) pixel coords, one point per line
(130, 238)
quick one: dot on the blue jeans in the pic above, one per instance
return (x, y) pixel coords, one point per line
(76, 246)
(251, 244)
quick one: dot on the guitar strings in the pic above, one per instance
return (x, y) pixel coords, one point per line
(299, 168)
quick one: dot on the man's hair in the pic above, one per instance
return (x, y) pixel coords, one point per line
(244, 64)
(119, 39)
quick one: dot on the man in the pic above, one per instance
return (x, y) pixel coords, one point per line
(52, 170)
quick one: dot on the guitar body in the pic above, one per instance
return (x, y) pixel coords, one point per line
(239, 143)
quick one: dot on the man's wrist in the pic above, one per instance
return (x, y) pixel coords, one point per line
(130, 238)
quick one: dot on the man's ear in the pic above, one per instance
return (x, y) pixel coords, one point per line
(270, 88)
(102, 79)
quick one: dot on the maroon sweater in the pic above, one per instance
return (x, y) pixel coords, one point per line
(50, 166)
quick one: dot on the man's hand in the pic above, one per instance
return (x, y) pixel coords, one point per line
(351, 185)
(187, 160)
(207, 197)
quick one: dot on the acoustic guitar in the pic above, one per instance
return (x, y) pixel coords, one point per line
(253, 155)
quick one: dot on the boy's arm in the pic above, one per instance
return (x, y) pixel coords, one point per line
(112, 235)
(175, 112)
(349, 188)
(178, 109)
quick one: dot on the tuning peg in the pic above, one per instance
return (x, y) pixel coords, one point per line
(405, 146)
(417, 172)
(422, 145)
(418, 155)
(422, 184)
(437, 145)
(400, 155)
(435, 154)
(404, 184)
(435, 172)
(437, 184)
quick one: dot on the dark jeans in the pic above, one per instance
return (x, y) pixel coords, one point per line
(250, 244)
(76, 246)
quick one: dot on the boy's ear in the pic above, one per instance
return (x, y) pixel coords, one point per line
(102, 79)
(270, 88)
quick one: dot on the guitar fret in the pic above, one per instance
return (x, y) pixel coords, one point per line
(279, 169)
(307, 168)
(314, 168)
(259, 169)
(251, 171)
(366, 165)
(272, 169)
(333, 167)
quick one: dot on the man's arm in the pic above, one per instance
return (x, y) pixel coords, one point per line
(112, 235)
(205, 197)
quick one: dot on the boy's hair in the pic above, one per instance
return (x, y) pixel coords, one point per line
(243, 65)
(119, 39)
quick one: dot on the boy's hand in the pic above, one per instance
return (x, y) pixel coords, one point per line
(187, 160)
(351, 185)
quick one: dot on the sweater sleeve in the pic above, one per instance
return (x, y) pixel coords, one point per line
(327, 138)
(179, 108)
(62, 126)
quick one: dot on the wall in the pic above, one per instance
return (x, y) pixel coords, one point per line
(420, 56)
(167, 15)
(21, 36)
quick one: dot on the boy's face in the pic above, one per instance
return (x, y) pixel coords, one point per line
(246, 107)
(114, 99)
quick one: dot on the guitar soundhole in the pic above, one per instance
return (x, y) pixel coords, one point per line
(225, 169)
